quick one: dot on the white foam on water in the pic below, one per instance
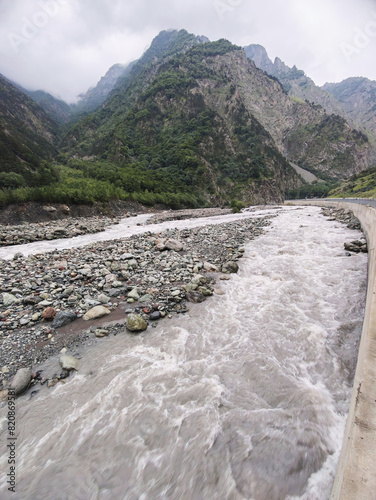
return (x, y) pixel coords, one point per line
(127, 227)
(245, 397)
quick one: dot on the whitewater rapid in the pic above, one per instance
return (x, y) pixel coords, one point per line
(244, 397)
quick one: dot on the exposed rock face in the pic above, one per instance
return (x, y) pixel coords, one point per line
(33, 137)
(294, 81)
(357, 96)
(95, 96)
(353, 99)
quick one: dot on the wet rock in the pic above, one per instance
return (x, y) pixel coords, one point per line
(211, 268)
(136, 323)
(155, 315)
(21, 380)
(205, 291)
(52, 383)
(230, 267)
(96, 312)
(195, 297)
(100, 333)
(49, 313)
(63, 318)
(356, 246)
(68, 362)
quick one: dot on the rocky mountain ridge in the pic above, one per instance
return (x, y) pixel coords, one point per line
(294, 81)
(357, 96)
(28, 139)
(197, 121)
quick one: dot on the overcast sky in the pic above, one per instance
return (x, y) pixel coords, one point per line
(65, 46)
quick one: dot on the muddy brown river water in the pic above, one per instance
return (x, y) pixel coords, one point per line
(245, 397)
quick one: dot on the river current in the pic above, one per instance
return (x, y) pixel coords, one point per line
(244, 397)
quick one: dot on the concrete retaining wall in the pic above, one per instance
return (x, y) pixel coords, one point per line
(356, 474)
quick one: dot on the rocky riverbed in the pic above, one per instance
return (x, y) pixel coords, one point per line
(70, 227)
(345, 216)
(137, 280)
(58, 300)
(187, 214)
(52, 230)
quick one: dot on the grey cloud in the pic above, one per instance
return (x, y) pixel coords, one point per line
(78, 45)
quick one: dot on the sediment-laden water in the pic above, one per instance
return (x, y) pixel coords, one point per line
(245, 397)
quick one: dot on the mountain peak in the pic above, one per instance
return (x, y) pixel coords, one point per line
(259, 56)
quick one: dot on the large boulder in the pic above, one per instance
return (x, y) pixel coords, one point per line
(175, 245)
(133, 294)
(195, 297)
(210, 268)
(96, 312)
(63, 318)
(50, 209)
(9, 299)
(49, 313)
(136, 323)
(230, 267)
(21, 380)
(68, 362)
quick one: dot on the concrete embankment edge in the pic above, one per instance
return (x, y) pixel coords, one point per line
(356, 474)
